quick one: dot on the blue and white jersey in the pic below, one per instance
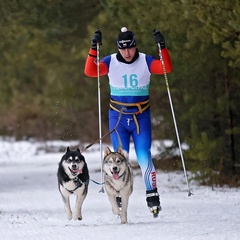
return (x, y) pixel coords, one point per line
(129, 79)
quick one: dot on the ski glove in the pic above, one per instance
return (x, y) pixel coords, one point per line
(158, 38)
(97, 38)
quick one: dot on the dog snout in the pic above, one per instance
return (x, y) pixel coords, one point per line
(74, 166)
(115, 169)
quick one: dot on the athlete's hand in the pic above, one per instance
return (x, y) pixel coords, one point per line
(97, 38)
(158, 38)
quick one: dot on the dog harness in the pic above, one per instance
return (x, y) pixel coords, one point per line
(78, 183)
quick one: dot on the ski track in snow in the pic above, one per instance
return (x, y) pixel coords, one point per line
(31, 206)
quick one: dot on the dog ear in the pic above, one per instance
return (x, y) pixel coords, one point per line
(68, 149)
(78, 150)
(107, 151)
(123, 152)
(119, 150)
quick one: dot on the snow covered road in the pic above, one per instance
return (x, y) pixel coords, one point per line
(31, 206)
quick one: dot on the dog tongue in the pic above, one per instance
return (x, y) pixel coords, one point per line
(115, 176)
(77, 171)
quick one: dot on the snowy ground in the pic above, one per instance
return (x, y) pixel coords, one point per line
(31, 206)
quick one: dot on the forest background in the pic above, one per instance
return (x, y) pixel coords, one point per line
(45, 95)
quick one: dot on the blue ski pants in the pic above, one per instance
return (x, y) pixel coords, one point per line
(142, 142)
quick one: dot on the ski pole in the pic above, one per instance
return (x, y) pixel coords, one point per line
(173, 115)
(99, 115)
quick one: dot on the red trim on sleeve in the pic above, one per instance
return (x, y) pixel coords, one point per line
(90, 69)
(156, 65)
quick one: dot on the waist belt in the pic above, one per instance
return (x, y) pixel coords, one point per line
(141, 106)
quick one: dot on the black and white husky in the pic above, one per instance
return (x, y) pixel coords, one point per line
(73, 178)
(118, 180)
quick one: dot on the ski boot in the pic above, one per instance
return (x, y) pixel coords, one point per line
(153, 202)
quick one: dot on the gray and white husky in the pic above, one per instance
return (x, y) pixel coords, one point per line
(118, 180)
(73, 178)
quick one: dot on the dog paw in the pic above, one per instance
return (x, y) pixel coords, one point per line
(123, 220)
(77, 217)
(69, 217)
(117, 213)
